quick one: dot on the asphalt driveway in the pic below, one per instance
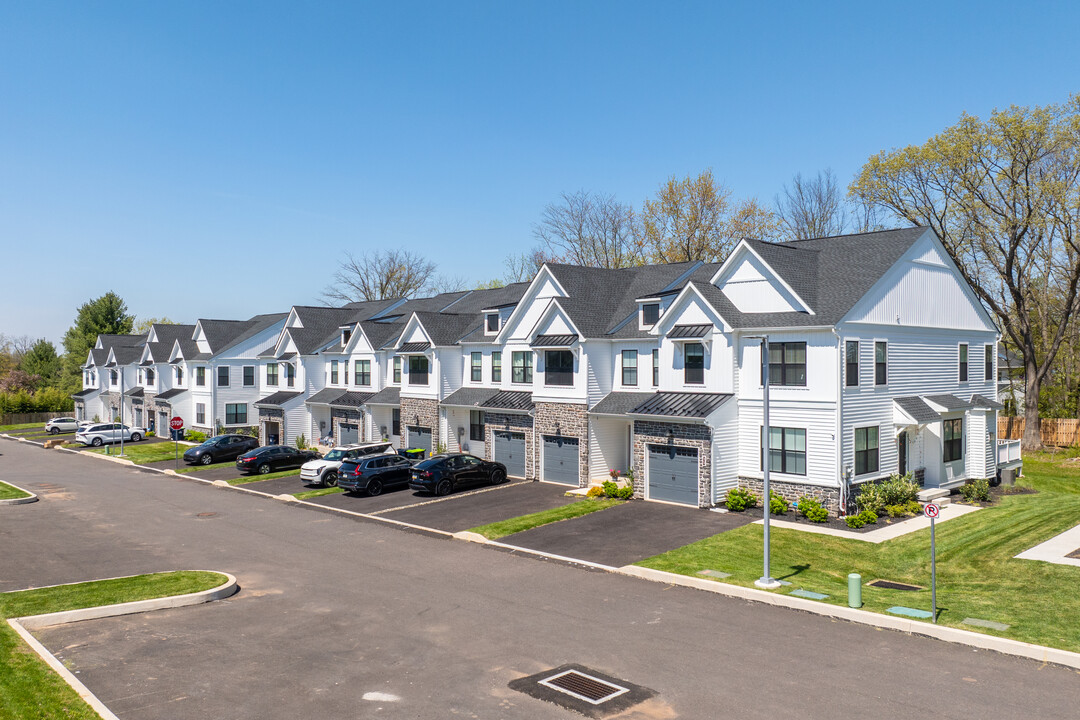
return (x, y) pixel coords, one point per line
(626, 533)
(288, 485)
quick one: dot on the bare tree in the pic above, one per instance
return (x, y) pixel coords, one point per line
(584, 228)
(523, 267)
(811, 207)
(379, 275)
(446, 284)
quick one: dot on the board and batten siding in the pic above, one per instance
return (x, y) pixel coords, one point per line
(921, 361)
(599, 372)
(725, 449)
(609, 446)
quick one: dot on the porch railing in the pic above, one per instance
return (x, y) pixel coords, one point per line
(1008, 451)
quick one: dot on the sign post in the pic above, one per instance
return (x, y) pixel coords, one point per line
(176, 425)
(932, 511)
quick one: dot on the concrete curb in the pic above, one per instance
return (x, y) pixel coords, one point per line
(865, 617)
(19, 501)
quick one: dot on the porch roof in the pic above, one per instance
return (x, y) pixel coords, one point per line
(983, 402)
(916, 409)
(278, 399)
(951, 403)
(469, 397)
(519, 400)
(386, 396)
(350, 399)
(619, 403)
(84, 393)
(688, 405)
(170, 394)
(326, 396)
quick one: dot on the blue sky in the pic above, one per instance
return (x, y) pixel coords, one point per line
(215, 159)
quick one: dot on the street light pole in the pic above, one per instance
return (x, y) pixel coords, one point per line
(766, 581)
(121, 368)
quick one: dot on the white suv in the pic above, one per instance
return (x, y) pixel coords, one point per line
(324, 471)
(98, 435)
(64, 424)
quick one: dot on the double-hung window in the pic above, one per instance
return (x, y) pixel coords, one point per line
(200, 413)
(881, 363)
(333, 372)
(179, 375)
(249, 376)
(988, 362)
(954, 440)
(787, 450)
(395, 421)
(851, 363)
(629, 367)
(113, 377)
(223, 376)
(650, 314)
(963, 362)
(558, 367)
(521, 366)
(290, 374)
(787, 364)
(149, 377)
(476, 425)
(476, 367)
(271, 374)
(655, 368)
(418, 370)
(200, 376)
(694, 364)
(496, 367)
(492, 320)
(362, 372)
(235, 413)
(866, 450)
(397, 371)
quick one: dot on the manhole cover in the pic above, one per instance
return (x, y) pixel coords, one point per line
(206, 514)
(587, 691)
(893, 585)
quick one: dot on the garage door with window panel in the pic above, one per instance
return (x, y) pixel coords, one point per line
(349, 433)
(561, 460)
(419, 437)
(673, 474)
(509, 449)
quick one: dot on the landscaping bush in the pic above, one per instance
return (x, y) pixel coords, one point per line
(595, 491)
(195, 436)
(625, 493)
(866, 517)
(897, 490)
(812, 510)
(976, 490)
(609, 488)
(739, 499)
(907, 509)
(301, 442)
(777, 504)
(151, 433)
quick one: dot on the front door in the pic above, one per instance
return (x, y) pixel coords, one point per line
(901, 451)
(273, 433)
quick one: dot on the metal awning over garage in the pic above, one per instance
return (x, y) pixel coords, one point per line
(278, 399)
(681, 405)
(350, 400)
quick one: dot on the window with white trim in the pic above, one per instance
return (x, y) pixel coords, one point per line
(866, 450)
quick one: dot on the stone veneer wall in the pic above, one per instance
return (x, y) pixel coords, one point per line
(649, 432)
(572, 420)
(426, 411)
(271, 415)
(512, 422)
(829, 497)
(345, 415)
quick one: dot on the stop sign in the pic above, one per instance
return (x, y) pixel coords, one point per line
(177, 423)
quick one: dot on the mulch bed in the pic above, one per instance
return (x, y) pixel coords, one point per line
(996, 493)
(833, 523)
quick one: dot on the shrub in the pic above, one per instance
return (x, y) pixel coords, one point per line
(777, 504)
(595, 491)
(871, 498)
(739, 499)
(151, 433)
(625, 493)
(895, 511)
(976, 490)
(913, 507)
(609, 488)
(855, 521)
(897, 490)
(811, 509)
(301, 442)
(869, 518)
(195, 436)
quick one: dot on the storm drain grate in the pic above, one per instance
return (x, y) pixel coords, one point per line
(893, 585)
(584, 687)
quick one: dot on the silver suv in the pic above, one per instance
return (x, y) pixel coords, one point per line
(98, 435)
(324, 471)
(64, 424)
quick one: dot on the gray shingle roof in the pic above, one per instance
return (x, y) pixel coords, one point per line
(350, 399)
(84, 393)
(619, 403)
(949, 402)
(325, 396)
(224, 334)
(386, 396)
(681, 404)
(915, 407)
(983, 402)
(135, 392)
(469, 397)
(278, 399)
(167, 336)
(170, 394)
(446, 328)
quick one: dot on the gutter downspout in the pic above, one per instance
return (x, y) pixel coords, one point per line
(841, 480)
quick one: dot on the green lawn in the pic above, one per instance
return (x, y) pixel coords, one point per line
(28, 687)
(496, 530)
(318, 493)
(142, 454)
(977, 574)
(8, 492)
(268, 476)
(23, 426)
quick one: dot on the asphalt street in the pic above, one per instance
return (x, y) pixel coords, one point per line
(343, 617)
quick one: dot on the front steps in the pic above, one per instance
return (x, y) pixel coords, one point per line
(938, 496)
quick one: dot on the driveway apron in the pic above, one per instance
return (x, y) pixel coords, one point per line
(472, 508)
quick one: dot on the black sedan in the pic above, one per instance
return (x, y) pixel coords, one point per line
(220, 448)
(443, 474)
(372, 474)
(273, 457)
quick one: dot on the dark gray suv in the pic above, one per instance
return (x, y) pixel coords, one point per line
(372, 474)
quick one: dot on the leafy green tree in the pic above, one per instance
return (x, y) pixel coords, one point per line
(106, 315)
(144, 325)
(42, 360)
(1004, 197)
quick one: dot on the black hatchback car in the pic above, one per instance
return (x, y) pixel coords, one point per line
(372, 474)
(443, 474)
(220, 448)
(273, 457)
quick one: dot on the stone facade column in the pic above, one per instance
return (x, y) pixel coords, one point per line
(568, 420)
(651, 432)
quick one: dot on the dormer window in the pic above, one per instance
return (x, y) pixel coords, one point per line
(650, 313)
(346, 335)
(493, 322)
(149, 376)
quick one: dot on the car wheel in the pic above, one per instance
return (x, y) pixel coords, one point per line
(206, 459)
(498, 477)
(264, 469)
(97, 442)
(54, 431)
(445, 487)
(136, 437)
(374, 487)
(329, 479)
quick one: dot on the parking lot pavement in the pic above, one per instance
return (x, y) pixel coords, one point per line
(626, 533)
(289, 485)
(471, 508)
(388, 500)
(221, 471)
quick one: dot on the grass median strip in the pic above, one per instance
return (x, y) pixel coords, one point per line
(28, 687)
(977, 573)
(23, 426)
(268, 476)
(10, 492)
(496, 530)
(317, 493)
(143, 454)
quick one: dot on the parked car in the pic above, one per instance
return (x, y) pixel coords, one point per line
(64, 424)
(443, 474)
(98, 435)
(373, 473)
(273, 457)
(325, 471)
(220, 448)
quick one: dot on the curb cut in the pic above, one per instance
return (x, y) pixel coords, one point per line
(952, 635)
(469, 537)
(19, 501)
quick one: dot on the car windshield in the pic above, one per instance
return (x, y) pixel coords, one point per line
(336, 455)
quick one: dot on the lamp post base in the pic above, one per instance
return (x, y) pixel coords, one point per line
(767, 583)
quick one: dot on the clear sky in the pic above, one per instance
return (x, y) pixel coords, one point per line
(215, 159)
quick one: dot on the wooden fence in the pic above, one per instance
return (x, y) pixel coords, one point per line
(1059, 432)
(41, 417)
